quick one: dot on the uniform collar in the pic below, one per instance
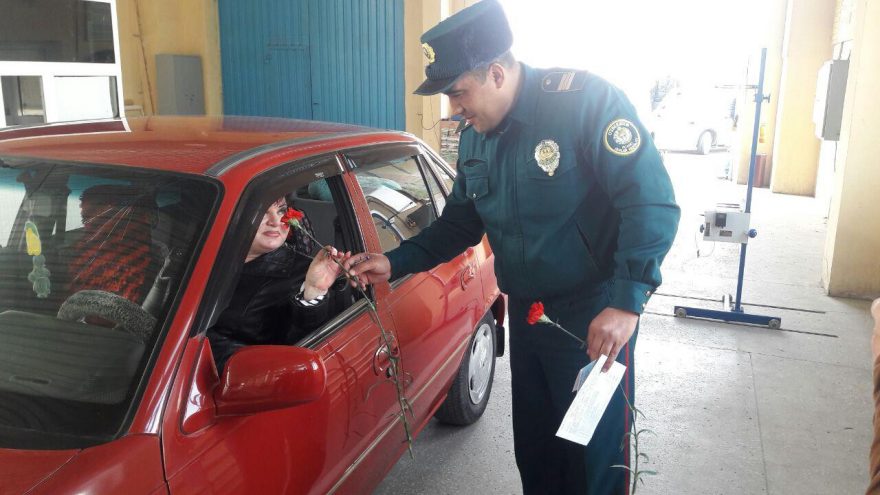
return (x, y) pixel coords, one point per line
(527, 99)
(523, 110)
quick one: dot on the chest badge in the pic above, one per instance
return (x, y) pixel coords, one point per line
(547, 156)
(622, 137)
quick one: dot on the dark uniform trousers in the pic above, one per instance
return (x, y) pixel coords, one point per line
(544, 364)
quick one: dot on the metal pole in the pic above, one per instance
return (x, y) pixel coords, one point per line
(759, 98)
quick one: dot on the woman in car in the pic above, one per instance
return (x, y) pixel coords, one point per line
(282, 294)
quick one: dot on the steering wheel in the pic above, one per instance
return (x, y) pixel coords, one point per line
(127, 315)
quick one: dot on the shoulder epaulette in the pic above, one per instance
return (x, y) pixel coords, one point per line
(564, 81)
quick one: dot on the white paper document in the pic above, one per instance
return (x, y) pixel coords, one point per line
(594, 391)
(582, 376)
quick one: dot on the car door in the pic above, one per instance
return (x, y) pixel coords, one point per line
(436, 311)
(337, 443)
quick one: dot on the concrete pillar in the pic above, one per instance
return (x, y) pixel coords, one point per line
(147, 28)
(771, 20)
(808, 34)
(852, 251)
(422, 112)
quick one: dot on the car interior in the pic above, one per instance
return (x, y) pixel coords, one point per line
(132, 245)
(90, 261)
(316, 201)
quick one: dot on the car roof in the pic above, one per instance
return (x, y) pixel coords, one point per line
(198, 145)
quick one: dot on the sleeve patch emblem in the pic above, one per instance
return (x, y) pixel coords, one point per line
(622, 137)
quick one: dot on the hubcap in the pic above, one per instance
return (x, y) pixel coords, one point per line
(480, 363)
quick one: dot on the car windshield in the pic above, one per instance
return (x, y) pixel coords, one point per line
(91, 260)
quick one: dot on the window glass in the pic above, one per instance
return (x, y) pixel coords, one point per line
(23, 99)
(437, 194)
(57, 31)
(442, 174)
(82, 98)
(398, 198)
(435, 174)
(91, 261)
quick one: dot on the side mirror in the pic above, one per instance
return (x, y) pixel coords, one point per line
(267, 377)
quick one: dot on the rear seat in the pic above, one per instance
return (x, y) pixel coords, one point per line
(322, 215)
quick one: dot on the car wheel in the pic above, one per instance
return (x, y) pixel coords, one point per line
(704, 144)
(472, 386)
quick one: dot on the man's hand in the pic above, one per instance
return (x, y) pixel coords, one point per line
(368, 268)
(609, 332)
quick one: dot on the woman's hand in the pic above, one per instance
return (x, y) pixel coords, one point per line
(323, 271)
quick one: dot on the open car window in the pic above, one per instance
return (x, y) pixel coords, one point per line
(91, 260)
(328, 209)
(315, 188)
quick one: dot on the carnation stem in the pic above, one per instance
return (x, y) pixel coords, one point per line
(575, 337)
(402, 401)
(635, 473)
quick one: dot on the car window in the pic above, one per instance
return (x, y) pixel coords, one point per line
(439, 183)
(92, 258)
(324, 219)
(398, 197)
(255, 307)
(440, 172)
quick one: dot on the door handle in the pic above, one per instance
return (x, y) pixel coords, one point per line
(382, 358)
(467, 275)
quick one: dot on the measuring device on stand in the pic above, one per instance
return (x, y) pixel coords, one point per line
(729, 224)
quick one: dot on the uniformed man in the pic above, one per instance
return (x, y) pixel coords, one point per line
(556, 169)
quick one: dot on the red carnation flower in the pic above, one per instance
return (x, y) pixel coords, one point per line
(536, 315)
(292, 217)
(536, 312)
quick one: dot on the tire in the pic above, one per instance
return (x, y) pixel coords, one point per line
(704, 143)
(470, 390)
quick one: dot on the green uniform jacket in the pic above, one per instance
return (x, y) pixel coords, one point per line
(606, 213)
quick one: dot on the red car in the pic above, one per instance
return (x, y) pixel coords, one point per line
(107, 381)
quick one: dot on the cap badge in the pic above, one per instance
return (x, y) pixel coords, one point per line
(622, 137)
(429, 52)
(547, 156)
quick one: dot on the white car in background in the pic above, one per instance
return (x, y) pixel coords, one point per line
(691, 122)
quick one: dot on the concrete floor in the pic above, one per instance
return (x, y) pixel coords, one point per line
(735, 409)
